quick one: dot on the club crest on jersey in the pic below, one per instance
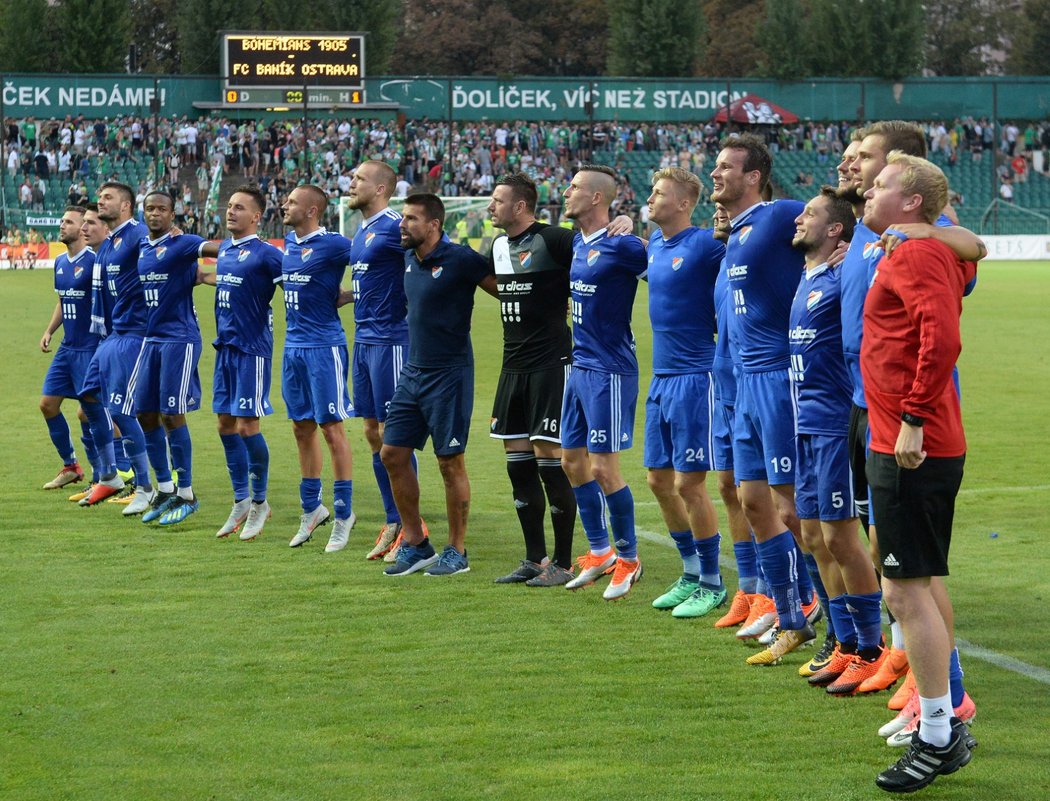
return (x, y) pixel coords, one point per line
(435, 272)
(525, 259)
(77, 272)
(306, 253)
(369, 237)
(592, 257)
(745, 232)
(676, 263)
(116, 242)
(813, 299)
(161, 251)
(870, 248)
(243, 254)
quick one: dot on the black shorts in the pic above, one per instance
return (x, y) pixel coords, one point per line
(528, 405)
(915, 509)
(857, 442)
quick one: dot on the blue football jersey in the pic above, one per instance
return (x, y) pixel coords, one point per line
(440, 291)
(73, 285)
(603, 281)
(682, 274)
(377, 266)
(119, 256)
(764, 271)
(246, 274)
(311, 272)
(726, 360)
(819, 377)
(168, 273)
(857, 269)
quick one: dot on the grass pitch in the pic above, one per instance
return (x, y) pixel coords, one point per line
(141, 663)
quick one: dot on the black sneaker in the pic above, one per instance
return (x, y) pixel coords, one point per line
(922, 763)
(525, 571)
(960, 728)
(553, 575)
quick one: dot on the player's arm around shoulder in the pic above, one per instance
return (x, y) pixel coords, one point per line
(632, 252)
(481, 270)
(963, 242)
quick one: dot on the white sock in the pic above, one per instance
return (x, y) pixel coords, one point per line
(166, 486)
(896, 636)
(935, 720)
(186, 493)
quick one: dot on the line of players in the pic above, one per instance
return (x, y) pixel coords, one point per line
(777, 406)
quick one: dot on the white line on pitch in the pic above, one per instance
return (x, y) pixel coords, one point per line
(1034, 672)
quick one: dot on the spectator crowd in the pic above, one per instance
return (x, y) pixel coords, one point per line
(182, 155)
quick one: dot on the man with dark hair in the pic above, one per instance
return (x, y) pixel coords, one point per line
(377, 266)
(118, 313)
(602, 391)
(165, 385)
(531, 261)
(752, 593)
(763, 269)
(908, 353)
(247, 271)
(435, 395)
(315, 365)
(72, 313)
(824, 490)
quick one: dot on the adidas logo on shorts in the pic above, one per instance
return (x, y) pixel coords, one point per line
(624, 438)
(890, 561)
(453, 443)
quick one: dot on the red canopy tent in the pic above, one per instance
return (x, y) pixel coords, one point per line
(755, 110)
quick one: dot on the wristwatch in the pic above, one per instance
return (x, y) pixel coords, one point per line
(912, 419)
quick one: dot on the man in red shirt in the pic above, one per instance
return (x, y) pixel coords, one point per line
(911, 343)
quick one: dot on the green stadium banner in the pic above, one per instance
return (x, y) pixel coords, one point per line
(556, 99)
(97, 96)
(648, 100)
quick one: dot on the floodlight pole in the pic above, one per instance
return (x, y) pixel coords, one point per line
(3, 157)
(306, 115)
(995, 154)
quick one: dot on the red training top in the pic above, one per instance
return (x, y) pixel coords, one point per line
(911, 343)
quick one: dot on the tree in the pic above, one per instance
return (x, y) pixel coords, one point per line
(26, 36)
(93, 36)
(731, 48)
(155, 34)
(959, 34)
(433, 41)
(784, 42)
(576, 34)
(1029, 54)
(198, 23)
(655, 38)
(879, 38)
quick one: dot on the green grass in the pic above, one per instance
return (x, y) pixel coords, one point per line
(147, 664)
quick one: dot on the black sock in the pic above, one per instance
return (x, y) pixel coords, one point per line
(529, 502)
(563, 508)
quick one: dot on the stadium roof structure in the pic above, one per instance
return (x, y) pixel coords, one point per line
(755, 110)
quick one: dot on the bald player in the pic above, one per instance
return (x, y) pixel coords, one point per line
(377, 265)
(602, 391)
(316, 361)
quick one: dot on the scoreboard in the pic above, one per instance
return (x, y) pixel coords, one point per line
(289, 69)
